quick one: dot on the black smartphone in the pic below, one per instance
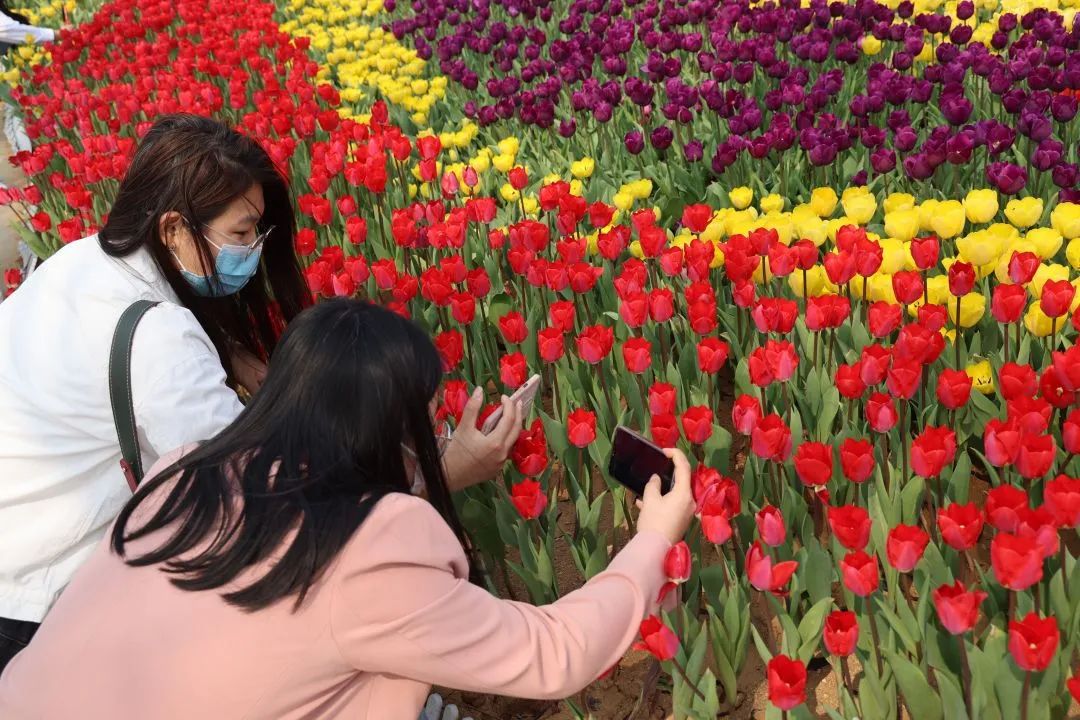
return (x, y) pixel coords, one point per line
(634, 460)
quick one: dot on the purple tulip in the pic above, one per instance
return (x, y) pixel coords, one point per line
(1008, 178)
(634, 142)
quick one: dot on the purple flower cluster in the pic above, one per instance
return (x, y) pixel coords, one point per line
(754, 82)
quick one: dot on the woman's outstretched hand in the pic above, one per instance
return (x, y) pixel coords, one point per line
(668, 514)
(473, 457)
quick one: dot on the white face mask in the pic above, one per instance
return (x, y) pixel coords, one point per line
(418, 483)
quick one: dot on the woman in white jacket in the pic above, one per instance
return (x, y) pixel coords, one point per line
(15, 28)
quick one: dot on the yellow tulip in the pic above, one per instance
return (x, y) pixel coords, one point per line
(583, 168)
(1024, 212)
(623, 200)
(740, 197)
(817, 283)
(640, 189)
(898, 201)
(577, 189)
(937, 289)
(714, 231)
(860, 208)
(503, 163)
(902, 224)
(509, 193)
(879, 289)
(1072, 252)
(1045, 273)
(509, 146)
(823, 201)
(635, 249)
(781, 223)
(1037, 322)
(972, 309)
(981, 206)
(532, 205)
(1047, 241)
(948, 220)
(927, 208)
(870, 45)
(982, 376)
(894, 257)
(772, 203)
(1066, 220)
(980, 248)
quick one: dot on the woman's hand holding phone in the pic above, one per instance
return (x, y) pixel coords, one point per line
(473, 457)
(668, 514)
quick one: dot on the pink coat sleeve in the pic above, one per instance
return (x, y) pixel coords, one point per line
(403, 605)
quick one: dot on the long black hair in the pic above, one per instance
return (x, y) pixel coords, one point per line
(196, 167)
(17, 17)
(302, 466)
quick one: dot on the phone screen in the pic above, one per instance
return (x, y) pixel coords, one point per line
(634, 460)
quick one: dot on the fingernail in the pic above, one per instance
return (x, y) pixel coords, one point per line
(476, 391)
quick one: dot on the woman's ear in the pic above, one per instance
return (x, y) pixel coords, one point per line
(170, 227)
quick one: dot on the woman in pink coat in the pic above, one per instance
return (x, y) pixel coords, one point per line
(284, 569)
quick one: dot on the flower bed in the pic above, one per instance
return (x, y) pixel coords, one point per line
(878, 387)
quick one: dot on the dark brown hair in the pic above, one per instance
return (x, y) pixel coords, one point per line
(196, 167)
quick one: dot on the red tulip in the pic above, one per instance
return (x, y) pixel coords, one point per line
(662, 399)
(849, 381)
(657, 639)
(1033, 642)
(933, 317)
(806, 253)
(697, 424)
(857, 459)
(860, 573)
(839, 266)
(1023, 266)
(1074, 687)
(513, 370)
(924, 251)
(776, 315)
(957, 607)
(561, 314)
(672, 261)
(841, 633)
(745, 413)
(1015, 381)
(1062, 497)
(664, 430)
(874, 364)
(782, 359)
(1053, 391)
(932, 450)
(1038, 524)
(478, 282)
(905, 546)
(637, 354)
(960, 525)
(787, 682)
(814, 464)
(1004, 505)
(771, 438)
(451, 347)
(1036, 455)
(904, 378)
(715, 494)
(634, 310)
(513, 329)
(961, 278)
(916, 344)
(761, 374)
(529, 499)
(826, 312)
(716, 528)
(850, 525)
(884, 318)
(953, 388)
(550, 343)
(907, 286)
(1007, 303)
(1057, 297)
(518, 178)
(1031, 414)
(697, 217)
(765, 576)
(581, 427)
(770, 525)
(1017, 561)
(530, 451)
(1001, 442)
(661, 305)
(594, 343)
(712, 353)
(702, 317)
(881, 412)
(1067, 365)
(677, 565)
(868, 257)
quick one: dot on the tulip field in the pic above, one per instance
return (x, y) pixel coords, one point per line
(829, 249)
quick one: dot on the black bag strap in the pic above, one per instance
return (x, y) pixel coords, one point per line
(120, 390)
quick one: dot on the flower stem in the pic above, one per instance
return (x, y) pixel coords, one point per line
(966, 675)
(874, 633)
(1024, 696)
(682, 673)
